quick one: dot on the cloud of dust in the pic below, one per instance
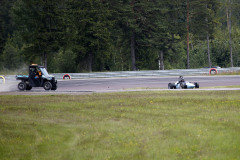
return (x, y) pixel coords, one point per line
(10, 78)
(10, 84)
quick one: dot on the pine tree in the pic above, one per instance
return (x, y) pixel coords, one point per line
(39, 23)
(89, 27)
(6, 23)
(134, 25)
(202, 21)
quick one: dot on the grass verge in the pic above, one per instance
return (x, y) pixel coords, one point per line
(230, 73)
(233, 86)
(134, 125)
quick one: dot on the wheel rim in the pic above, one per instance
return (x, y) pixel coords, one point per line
(21, 86)
(47, 86)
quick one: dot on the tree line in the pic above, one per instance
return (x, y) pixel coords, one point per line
(118, 35)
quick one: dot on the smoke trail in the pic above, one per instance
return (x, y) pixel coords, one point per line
(9, 85)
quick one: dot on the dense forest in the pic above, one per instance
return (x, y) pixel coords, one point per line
(119, 35)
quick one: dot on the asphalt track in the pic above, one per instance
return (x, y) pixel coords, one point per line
(100, 85)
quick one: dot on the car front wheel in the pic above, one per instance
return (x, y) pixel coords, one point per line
(47, 86)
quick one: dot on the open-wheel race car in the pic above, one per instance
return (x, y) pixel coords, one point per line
(38, 77)
(181, 83)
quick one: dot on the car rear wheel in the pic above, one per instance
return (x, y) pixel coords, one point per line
(196, 85)
(47, 86)
(171, 86)
(22, 86)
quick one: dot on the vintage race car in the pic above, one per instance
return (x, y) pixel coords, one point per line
(181, 83)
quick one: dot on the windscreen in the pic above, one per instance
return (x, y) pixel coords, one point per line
(44, 72)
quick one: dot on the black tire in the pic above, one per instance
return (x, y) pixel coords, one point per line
(47, 86)
(54, 87)
(196, 85)
(171, 86)
(22, 86)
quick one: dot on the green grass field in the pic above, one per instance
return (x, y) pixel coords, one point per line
(126, 126)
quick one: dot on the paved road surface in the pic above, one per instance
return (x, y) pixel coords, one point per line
(124, 84)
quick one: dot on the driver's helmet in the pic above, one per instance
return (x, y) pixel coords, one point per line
(181, 79)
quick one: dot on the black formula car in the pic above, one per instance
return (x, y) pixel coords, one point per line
(38, 77)
(181, 83)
